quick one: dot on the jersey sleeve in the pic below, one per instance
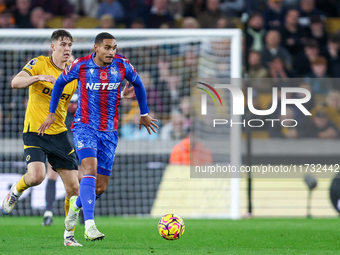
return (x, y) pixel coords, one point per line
(71, 72)
(132, 76)
(130, 71)
(34, 66)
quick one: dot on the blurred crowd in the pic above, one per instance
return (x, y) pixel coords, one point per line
(266, 14)
(282, 38)
(120, 13)
(289, 40)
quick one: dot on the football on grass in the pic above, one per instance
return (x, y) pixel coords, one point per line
(171, 227)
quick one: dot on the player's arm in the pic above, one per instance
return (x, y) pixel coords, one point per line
(23, 80)
(140, 95)
(145, 119)
(132, 76)
(55, 96)
(30, 74)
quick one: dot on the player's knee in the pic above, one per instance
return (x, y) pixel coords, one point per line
(89, 170)
(36, 177)
(89, 166)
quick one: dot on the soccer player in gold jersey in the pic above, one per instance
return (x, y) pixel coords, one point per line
(40, 74)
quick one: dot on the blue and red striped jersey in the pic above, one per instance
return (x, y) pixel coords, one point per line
(99, 90)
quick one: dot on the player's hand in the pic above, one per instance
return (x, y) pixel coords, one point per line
(48, 78)
(148, 122)
(48, 122)
(129, 93)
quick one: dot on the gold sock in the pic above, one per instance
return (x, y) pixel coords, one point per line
(21, 185)
(67, 207)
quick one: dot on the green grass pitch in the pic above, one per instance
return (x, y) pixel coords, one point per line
(25, 235)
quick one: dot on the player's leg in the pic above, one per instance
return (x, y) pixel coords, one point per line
(71, 183)
(50, 192)
(72, 192)
(85, 140)
(80, 173)
(36, 172)
(88, 198)
(61, 155)
(91, 232)
(102, 181)
(80, 176)
(107, 144)
(101, 185)
(81, 214)
(35, 158)
(106, 155)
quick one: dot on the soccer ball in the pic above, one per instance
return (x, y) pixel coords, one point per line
(171, 227)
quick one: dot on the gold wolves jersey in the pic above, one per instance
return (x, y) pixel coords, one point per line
(40, 96)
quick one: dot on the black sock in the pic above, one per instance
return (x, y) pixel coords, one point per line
(50, 194)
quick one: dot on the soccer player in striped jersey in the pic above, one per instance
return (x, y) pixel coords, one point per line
(96, 120)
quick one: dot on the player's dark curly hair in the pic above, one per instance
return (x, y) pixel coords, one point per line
(100, 37)
(60, 34)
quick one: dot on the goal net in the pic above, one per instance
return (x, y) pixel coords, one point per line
(142, 181)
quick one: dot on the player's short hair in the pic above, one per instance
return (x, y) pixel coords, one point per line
(61, 34)
(102, 36)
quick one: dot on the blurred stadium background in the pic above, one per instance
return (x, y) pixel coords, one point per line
(281, 39)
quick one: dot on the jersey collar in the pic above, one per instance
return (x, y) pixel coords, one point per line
(54, 65)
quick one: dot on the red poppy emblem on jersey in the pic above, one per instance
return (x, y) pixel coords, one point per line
(103, 76)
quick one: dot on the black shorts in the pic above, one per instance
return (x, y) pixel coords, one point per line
(57, 148)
